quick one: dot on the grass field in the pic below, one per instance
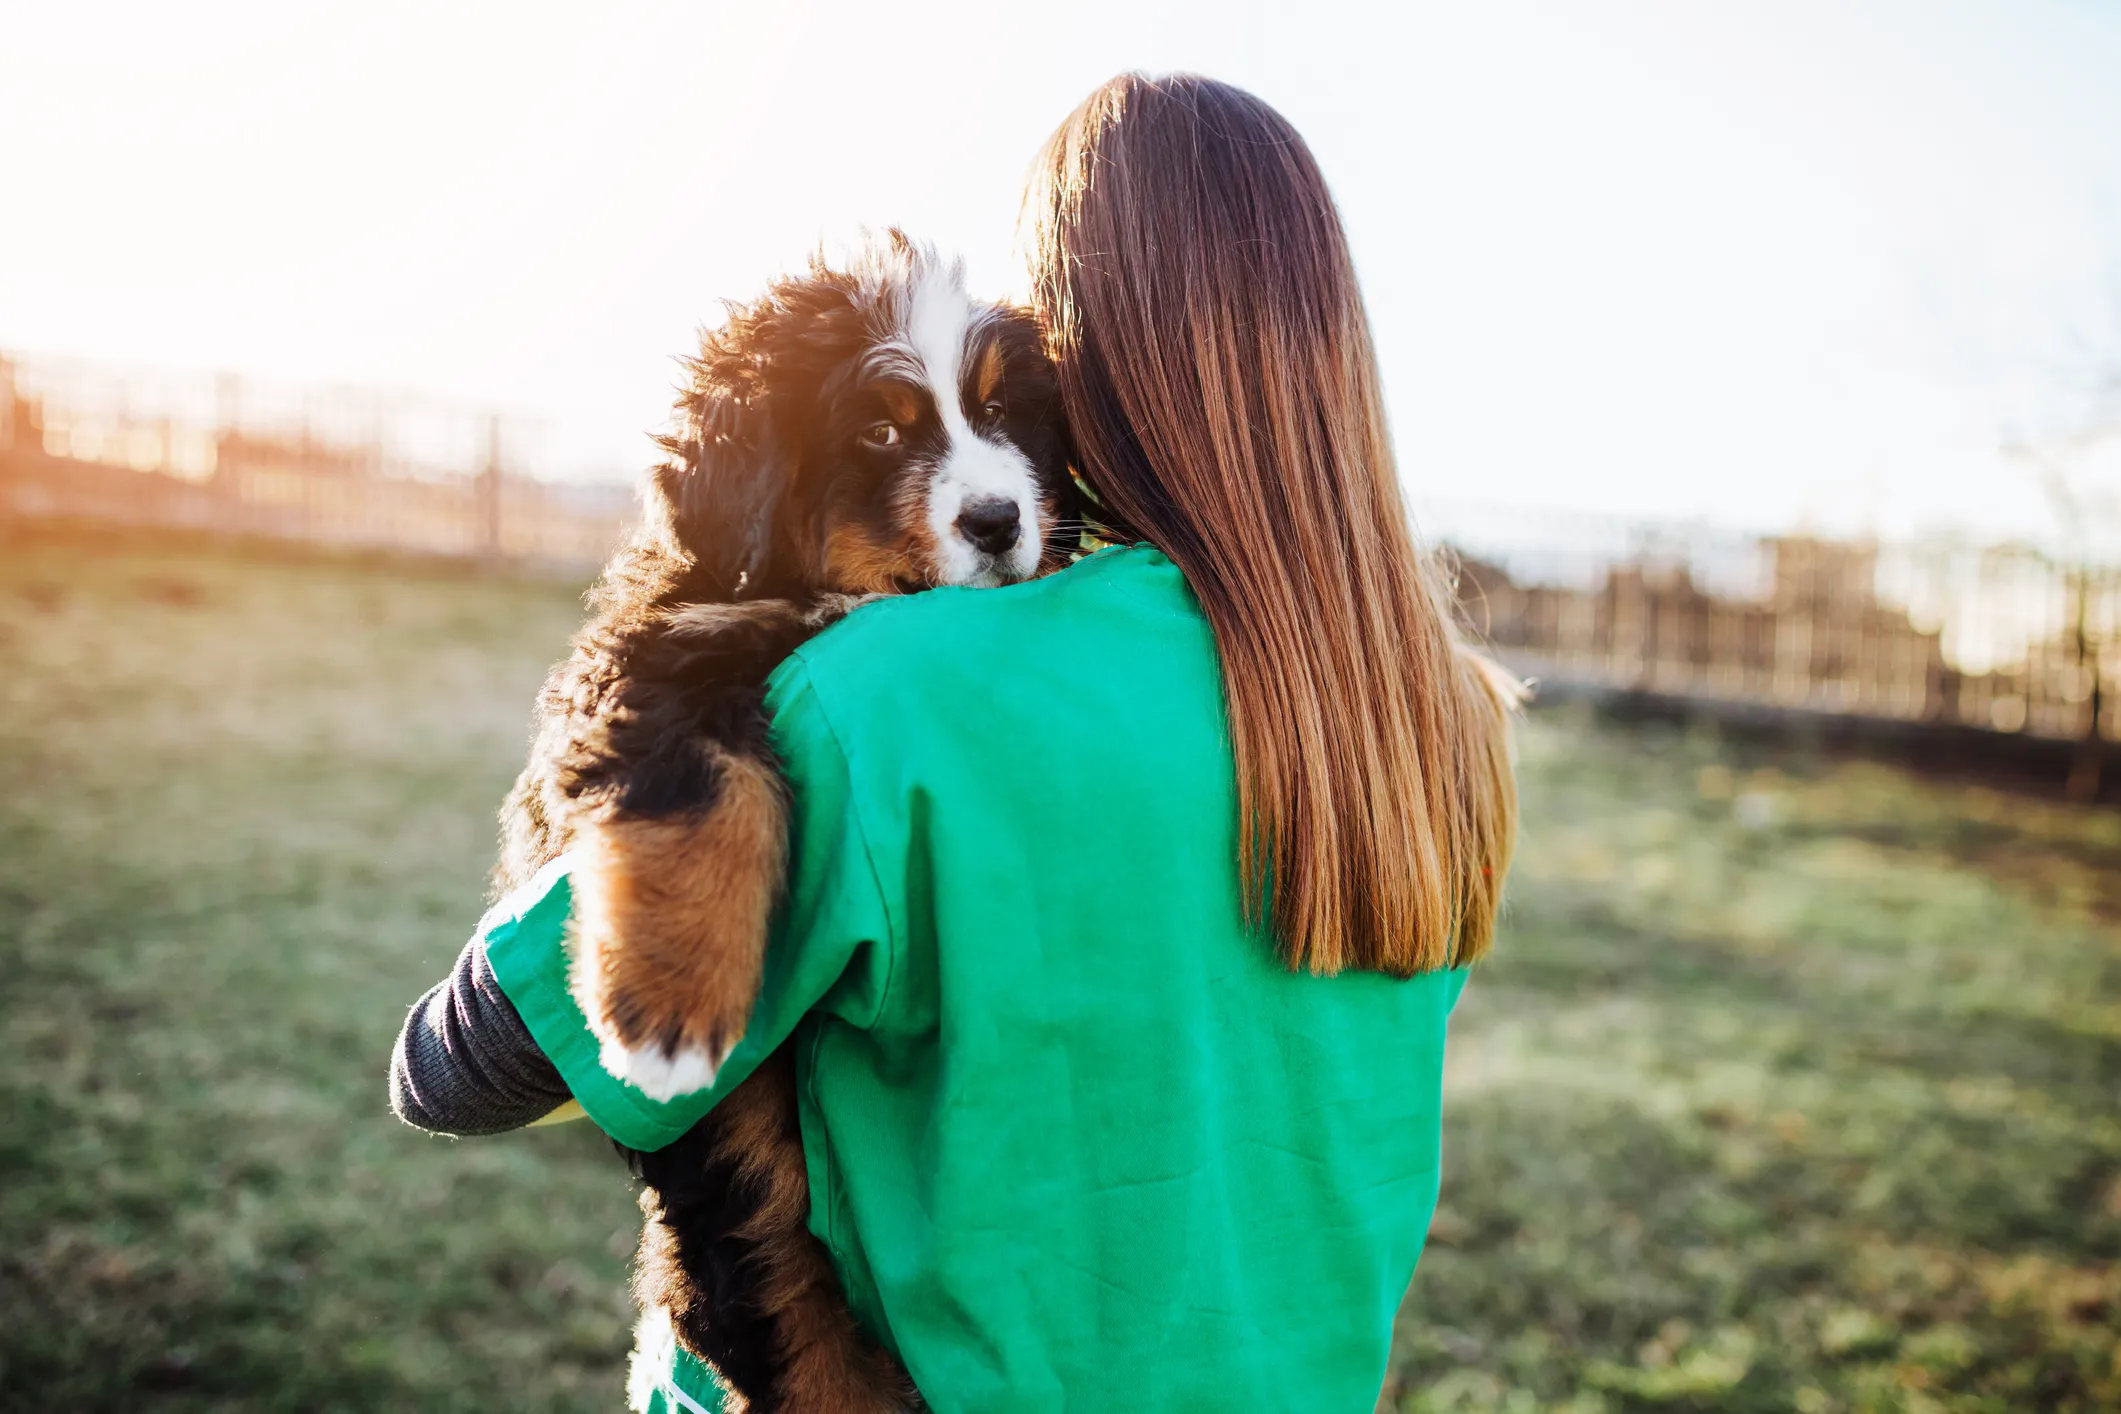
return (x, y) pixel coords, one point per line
(1793, 1085)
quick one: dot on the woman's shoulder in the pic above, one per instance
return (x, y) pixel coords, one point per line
(952, 669)
(983, 630)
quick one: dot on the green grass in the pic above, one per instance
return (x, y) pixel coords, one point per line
(246, 819)
(1793, 1084)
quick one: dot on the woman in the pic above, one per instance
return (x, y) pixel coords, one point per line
(1127, 907)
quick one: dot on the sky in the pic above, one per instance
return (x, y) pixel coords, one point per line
(1763, 265)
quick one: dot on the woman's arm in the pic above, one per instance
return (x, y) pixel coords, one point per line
(503, 1042)
(465, 1062)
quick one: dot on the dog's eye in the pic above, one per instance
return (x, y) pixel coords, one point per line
(884, 434)
(993, 409)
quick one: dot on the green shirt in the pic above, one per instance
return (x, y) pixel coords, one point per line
(1076, 1139)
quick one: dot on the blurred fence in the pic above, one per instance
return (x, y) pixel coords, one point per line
(2008, 639)
(2004, 639)
(335, 466)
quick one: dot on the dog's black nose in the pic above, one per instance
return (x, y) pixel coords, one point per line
(990, 522)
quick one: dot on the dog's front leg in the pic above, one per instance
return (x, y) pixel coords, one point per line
(670, 924)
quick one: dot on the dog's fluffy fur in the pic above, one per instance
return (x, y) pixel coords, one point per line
(857, 431)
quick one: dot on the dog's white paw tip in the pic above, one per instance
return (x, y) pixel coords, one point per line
(659, 1074)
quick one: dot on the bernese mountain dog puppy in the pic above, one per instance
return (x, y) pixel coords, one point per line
(856, 431)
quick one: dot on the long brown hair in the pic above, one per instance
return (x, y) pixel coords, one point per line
(1215, 359)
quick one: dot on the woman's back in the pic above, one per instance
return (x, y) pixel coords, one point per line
(1077, 1138)
(1099, 885)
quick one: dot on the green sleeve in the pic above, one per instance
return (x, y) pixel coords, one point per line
(831, 950)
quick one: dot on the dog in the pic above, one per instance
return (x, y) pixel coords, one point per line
(857, 431)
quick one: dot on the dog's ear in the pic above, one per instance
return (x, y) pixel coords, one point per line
(725, 482)
(728, 489)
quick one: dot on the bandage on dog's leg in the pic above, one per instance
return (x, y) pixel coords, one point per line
(670, 920)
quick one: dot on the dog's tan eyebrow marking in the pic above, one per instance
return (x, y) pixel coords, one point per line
(901, 402)
(987, 376)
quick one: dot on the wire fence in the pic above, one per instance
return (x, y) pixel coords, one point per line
(2003, 638)
(2009, 639)
(343, 466)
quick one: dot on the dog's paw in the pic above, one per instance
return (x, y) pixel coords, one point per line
(663, 1075)
(828, 609)
(669, 922)
(665, 1033)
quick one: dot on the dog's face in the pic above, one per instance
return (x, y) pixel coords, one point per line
(938, 458)
(872, 431)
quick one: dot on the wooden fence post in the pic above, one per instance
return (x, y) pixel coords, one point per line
(2084, 771)
(489, 493)
(228, 475)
